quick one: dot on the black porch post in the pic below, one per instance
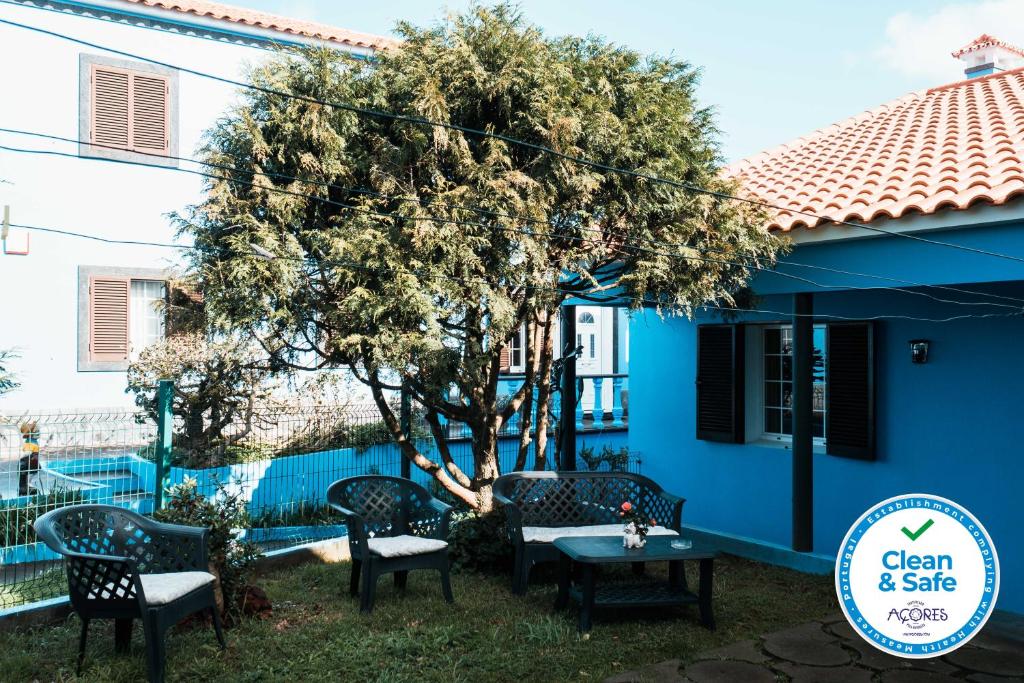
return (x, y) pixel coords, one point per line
(405, 419)
(803, 412)
(567, 421)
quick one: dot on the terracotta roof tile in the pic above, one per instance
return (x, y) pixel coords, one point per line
(983, 41)
(249, 17)
(948, 147)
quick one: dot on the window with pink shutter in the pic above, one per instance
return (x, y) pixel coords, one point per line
(109, 305)
(129, 110)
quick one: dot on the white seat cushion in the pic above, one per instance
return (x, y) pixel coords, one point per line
(547, 534)
(161, 589)
(403, 546)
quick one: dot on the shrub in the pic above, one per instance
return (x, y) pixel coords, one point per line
(303, 514)
(17, 518)
(479, 542)
(8, 382)
(219, 387)
(613, 460)
(231, 559)
(347, 430)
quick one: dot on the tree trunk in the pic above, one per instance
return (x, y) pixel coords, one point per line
(487, 469)
(544, 393)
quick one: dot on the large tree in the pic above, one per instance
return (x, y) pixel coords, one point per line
(410, 253)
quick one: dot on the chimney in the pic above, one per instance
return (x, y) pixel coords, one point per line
(987, 55)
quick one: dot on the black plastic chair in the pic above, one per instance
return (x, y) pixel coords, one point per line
(124, 566)
(394, 526)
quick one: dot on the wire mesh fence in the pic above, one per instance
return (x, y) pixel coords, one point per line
(280, 461)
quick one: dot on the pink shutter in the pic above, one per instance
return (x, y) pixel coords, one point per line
(150, 119)
(109, 107)
(505, 362)
(108, 318)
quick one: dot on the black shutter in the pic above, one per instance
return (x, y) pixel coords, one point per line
(850, 409)
(720, 382)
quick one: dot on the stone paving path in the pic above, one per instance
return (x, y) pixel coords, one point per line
(829, 651)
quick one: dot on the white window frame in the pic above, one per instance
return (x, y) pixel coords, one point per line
(154, 315)
(518, 341)
(755, 381)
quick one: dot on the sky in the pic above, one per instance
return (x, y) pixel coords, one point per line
(773, 70)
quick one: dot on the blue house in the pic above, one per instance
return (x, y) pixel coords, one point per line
(885, 353)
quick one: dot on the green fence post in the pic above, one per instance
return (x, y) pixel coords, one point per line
(164, 426)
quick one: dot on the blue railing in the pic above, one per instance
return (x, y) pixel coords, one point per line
(602, 401)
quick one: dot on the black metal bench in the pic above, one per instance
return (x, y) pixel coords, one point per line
(542, 506)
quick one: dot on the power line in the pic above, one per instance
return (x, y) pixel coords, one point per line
(417, 120)
(257, 253)
(392, 216)
(483, 211)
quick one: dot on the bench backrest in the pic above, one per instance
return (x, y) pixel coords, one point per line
(581, 498)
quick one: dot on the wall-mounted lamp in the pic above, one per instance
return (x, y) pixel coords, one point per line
(919, 351)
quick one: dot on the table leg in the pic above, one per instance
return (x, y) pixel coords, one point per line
(587, 605)
(676, 575)
(564, 578)
(707, 572)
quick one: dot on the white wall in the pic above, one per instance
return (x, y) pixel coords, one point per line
(39, 82)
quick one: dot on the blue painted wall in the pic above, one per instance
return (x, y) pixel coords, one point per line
(950, 427)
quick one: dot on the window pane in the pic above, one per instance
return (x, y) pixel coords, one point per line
(778, 380)
(818, 425)
(818, 397)
(819, 354)
(147, 315)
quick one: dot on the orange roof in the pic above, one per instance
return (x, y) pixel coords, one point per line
(985, 40)
(249, 17)
(947, 147)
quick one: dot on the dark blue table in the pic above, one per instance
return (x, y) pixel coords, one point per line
(589, 551)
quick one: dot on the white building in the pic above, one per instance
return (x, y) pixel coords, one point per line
(77, 309)
(603, 334)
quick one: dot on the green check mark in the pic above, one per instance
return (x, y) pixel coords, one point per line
(914, 535)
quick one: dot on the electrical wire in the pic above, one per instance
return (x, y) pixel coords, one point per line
(616, 298)
(391, 215)
(417, 120)
(497, 214)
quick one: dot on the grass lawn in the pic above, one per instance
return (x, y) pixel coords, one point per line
(316, 632)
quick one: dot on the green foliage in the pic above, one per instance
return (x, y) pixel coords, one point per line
(8, 381)
(608, 459)
(479, 542)
(218, 386)
(223, 515)
(347, 430)
(303, 514)
(50, 583)
(17, 517)
(393, 278)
